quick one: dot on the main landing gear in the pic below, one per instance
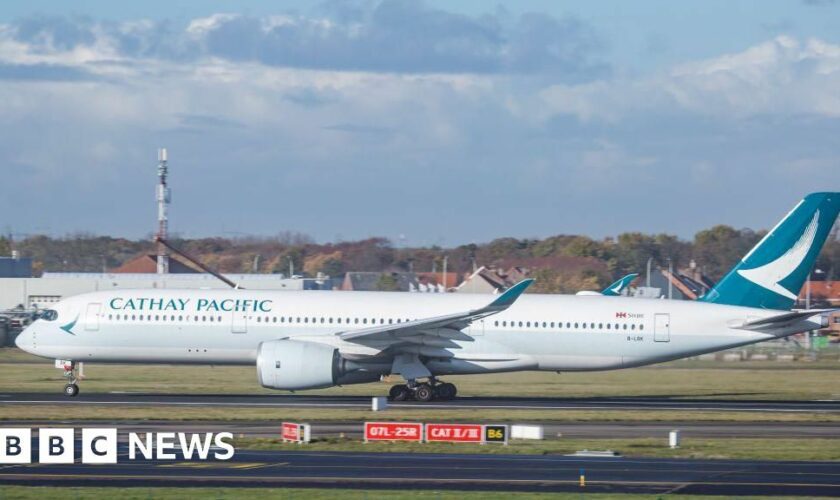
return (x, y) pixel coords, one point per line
(423, 392)
(72, 387)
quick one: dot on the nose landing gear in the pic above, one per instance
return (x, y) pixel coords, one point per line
(423, 392)
(72, 387)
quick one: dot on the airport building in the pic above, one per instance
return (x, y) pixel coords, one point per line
(38, 293)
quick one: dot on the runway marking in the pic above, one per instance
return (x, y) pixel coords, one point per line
(430, 406)
(342, 479)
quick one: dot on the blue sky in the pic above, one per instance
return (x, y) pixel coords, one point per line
(445, 122)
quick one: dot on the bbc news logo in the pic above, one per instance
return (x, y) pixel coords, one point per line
(99, 446)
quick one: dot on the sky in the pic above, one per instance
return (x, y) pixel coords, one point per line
(429, 123)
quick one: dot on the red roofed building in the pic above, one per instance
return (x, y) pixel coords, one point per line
(823, 294)
(147, 264)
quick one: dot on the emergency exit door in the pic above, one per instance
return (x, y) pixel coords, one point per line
(662, 327)
(92, 316)
(240, 322)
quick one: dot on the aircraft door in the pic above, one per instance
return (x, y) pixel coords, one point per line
(662, 327)
(240, 322)
(92, 316)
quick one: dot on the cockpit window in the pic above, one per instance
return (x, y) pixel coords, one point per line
(49, 315)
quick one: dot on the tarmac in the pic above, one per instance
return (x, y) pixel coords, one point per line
(412, 471)
(461, 403)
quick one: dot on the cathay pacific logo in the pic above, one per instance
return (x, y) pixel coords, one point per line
(771, 274)
(69, 326)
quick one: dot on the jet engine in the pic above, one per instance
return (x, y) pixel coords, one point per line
(296, 365)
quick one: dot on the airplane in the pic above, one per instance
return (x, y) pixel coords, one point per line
(614, 289)
(317, 339)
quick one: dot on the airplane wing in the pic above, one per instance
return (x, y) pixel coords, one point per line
(448, 326)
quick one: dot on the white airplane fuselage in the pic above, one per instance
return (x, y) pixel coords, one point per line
(538, 332)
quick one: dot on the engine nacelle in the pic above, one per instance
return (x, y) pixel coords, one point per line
(294, 364)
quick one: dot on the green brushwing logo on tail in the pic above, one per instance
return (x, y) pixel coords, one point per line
(771, 275)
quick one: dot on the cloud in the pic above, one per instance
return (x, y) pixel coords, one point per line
(403, 36)
(781, 76)
(411, 119)
(44, 72)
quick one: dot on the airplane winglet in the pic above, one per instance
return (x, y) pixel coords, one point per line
(510, 295)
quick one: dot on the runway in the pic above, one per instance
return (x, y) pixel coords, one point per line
(553, 430)
(461, 403)
(449, 471)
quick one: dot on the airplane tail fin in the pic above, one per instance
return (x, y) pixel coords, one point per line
(771, 275)
(619, 286)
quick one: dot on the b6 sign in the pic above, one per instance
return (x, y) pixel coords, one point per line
(393, 431)
(457, 433)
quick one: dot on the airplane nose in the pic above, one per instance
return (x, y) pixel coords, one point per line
(26, 340)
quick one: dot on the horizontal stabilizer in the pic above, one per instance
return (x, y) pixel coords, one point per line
(788, 320)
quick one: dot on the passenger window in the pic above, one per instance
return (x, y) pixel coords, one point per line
(641, 326)
(600, 326)
(625, 326)
(584, 325)
(592, 325)
(633, 326)
(544, 324)
(552, 324)
(576, 325)
(608, 326)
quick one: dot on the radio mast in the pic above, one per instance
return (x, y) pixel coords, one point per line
(163, 199)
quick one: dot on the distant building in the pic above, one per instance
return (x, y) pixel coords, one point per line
(52, 287)
(823, 294)
(484, 280)
(15, 267)
(147, 264)
(371, 281)
(436, 279)
(686, 284)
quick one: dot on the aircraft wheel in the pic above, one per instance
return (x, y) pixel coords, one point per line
(71, 390)
(447, 391)
(424, 393)
(399, 393)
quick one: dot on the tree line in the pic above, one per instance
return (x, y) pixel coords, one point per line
(561, 263)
